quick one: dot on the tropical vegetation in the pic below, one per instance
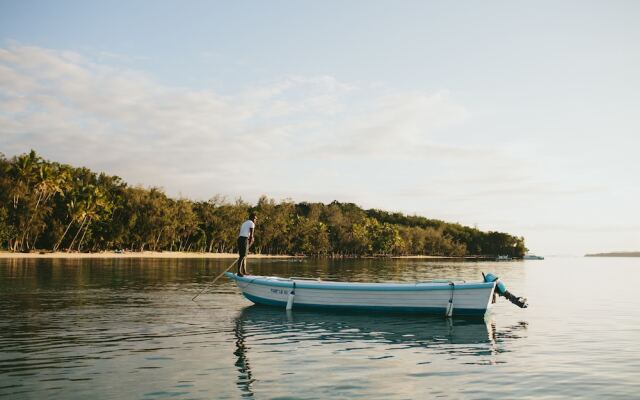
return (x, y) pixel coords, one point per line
(49, 206)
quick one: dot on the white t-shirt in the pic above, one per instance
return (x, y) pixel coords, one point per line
(246, 228)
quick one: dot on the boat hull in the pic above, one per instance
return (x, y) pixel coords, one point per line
(469, 299)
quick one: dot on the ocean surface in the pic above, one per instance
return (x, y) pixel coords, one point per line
(127, 329)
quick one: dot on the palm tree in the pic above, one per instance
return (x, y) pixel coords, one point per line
(73, 213)
(97, 207)
(23, 174)
(49, 180)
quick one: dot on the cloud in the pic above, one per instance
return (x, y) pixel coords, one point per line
(609, 228)
(393, 124)
(77, 110)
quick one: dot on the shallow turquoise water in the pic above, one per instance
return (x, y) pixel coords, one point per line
(113, 329)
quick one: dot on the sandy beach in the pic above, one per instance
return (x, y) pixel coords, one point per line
(145, 254)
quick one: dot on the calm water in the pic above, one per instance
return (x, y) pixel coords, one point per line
(128, 329)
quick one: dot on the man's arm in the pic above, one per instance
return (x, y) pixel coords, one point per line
(251, 235)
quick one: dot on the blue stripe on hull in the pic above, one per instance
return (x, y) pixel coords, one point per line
(386, 287)
(400, 310)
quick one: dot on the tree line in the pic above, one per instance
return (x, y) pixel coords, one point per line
(47, 205)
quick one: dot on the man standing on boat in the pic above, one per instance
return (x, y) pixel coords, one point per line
(245, 239)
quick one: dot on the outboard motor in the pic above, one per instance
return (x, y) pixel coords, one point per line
(501, 290)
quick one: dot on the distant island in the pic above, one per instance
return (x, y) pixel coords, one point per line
(51, 207)
(616, 254)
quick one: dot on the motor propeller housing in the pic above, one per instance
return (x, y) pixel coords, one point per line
(501, 290)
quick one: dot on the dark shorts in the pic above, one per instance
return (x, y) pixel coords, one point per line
(242, 246)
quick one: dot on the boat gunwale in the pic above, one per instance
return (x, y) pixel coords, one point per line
(323, 285)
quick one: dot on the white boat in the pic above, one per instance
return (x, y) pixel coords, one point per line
(532, 257)
(444, 297)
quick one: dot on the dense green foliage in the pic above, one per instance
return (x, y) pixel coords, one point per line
(52, 206)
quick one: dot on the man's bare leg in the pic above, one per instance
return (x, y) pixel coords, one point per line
(241, 261)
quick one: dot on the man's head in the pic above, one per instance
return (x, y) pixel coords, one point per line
(253, 217)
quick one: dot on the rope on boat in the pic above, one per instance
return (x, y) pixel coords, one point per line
(292, 295)
(214, 281)
(449, 312)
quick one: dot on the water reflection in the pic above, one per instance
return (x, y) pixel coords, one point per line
(263, 332)
(245, 377)
(408, 330)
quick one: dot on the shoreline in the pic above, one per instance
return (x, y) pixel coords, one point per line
(178, 255)
(144, 254)
(459, 258)
(628, 254)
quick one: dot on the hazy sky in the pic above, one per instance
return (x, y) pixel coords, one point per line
(516, 116)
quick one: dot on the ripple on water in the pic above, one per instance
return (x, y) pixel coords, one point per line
(73, 330)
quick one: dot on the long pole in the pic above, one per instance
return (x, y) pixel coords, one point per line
(214, 281)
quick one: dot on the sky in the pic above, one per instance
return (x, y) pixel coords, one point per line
(513, 116)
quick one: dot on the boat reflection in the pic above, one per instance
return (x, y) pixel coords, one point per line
(262, 328)
(384, 328)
